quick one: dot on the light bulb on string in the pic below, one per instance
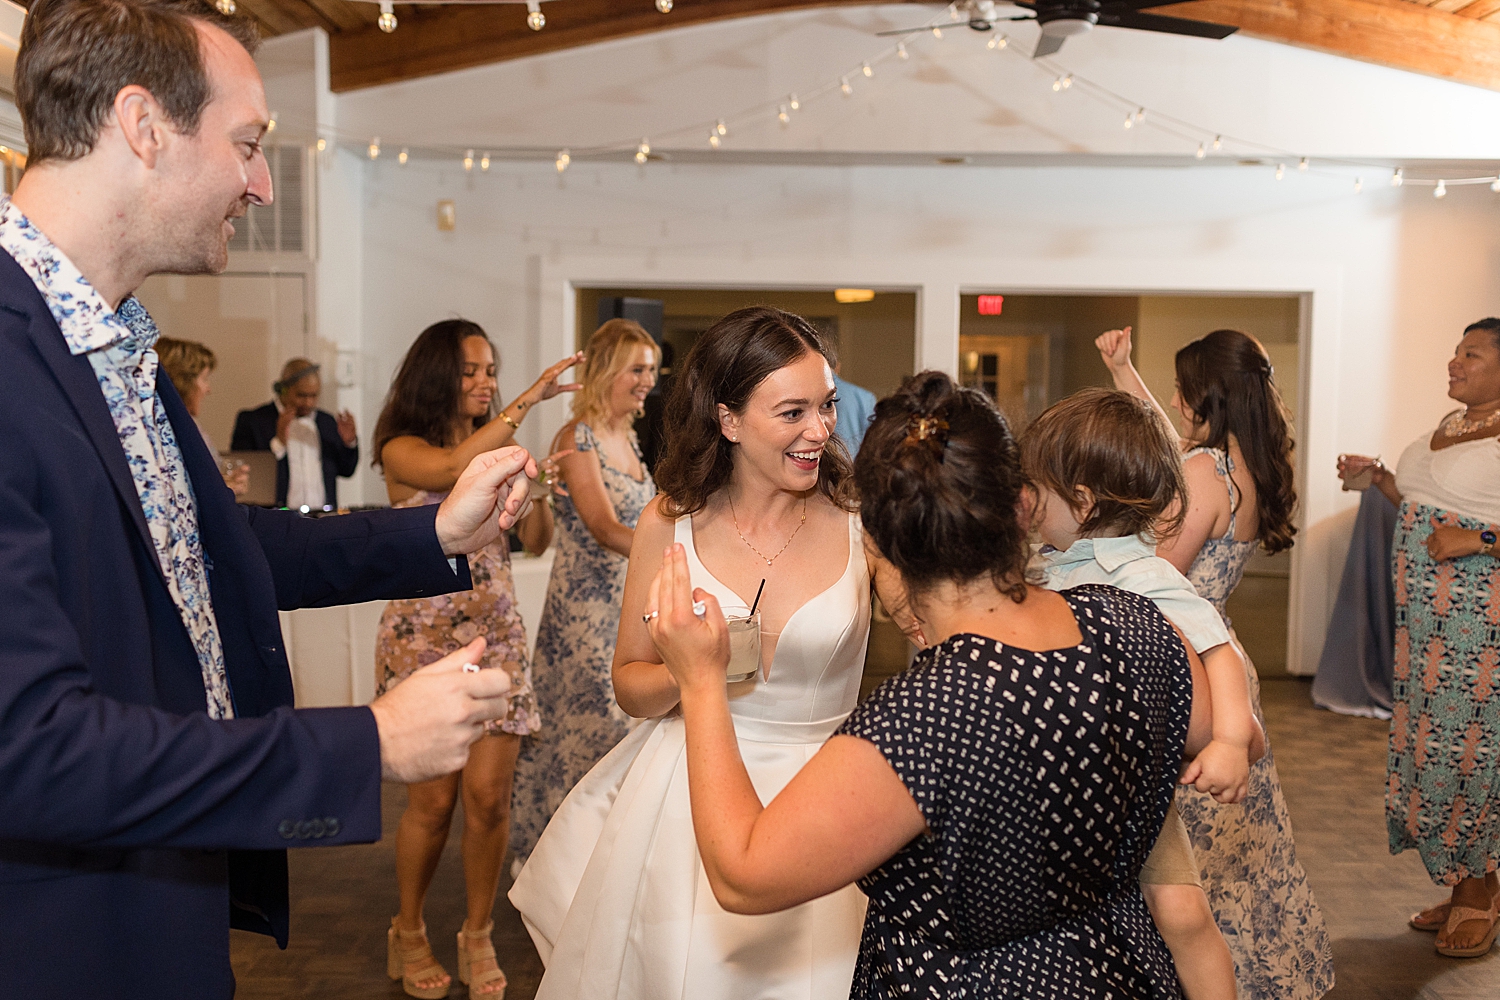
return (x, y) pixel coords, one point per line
(1218, 143)
(997, 43)
(793, 103)
(271, 123)
(721, 128)
(1130, 120)
(225, 7)
(867, 69)
(1280, 171)
(782, 115)
(1441, 191)
(1057, 85)
(387, 20)
(403, 156)
(937, 32)
(1302, 165)
(901, 52)
(1140, 114)
(375, 148)
(713, 140)
(322, 145)
(535, 19)
(1359, 184)
(468, 161)
(954, 14)
(563, 159)
(844, 86)
(664, 6)
(1398, 178)
(642, 151)
(1495, 185)
(484, 162)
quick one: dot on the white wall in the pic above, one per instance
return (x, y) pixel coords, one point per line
(1391, 276)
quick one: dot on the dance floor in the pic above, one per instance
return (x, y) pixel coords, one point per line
(1333, 770)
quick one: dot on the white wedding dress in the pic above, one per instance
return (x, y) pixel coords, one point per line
(615, 895)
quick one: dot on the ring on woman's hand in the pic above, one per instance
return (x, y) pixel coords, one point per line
(700, 608)
(648, 616)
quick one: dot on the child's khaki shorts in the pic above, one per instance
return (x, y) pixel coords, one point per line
(1171, 861)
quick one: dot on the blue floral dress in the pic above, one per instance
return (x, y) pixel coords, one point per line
(575, 648)
(1256, 887)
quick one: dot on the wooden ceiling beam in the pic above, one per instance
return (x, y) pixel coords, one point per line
(1395, 33)
(440, 39)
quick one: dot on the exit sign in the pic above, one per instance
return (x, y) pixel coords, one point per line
(990, 305)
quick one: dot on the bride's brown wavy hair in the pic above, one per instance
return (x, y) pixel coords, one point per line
(726, 365)
(1226, 379)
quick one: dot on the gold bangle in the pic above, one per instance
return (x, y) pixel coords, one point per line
(506, 417)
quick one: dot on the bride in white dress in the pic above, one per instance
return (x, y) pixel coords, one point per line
(756, 488)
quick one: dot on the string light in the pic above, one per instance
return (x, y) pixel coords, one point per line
(642, 151)
(1202, 151)
(721, 128)
(1280, 171)
(1057, 85)
(468, 161)
(901, 52)
(793, 103)
(484, 162)
(1302, 164)
(1495, 185)
(867, 69)
(1441, 191)
(713, 140)
(563, 159)
(535, 19)
(271, 123)
(403, 156)
(375, 148)
(322, 145)
(998, 43)
(1359, 184)
(1129, 120)
(225, 7)
(1140, 115)
(387, 20)
(844, 86)
(664, 6)
(1398, 178)
(782, 115)
(937, 32)
(1218, 143)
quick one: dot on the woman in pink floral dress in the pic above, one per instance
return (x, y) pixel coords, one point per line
(439, 415)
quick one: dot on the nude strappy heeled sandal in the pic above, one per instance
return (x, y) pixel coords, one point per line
(476, 946)
(411, 948)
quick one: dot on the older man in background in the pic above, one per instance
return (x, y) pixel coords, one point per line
(152, 769)
(312, 447)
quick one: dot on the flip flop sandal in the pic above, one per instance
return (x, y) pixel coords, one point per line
(1459, 915)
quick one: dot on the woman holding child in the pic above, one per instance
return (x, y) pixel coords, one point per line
(1237, 466)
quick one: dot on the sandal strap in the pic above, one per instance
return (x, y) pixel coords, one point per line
(480, 944)
(1459, 914)
(411, 954)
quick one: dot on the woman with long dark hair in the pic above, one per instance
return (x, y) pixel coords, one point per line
(997, 800)
(757, 490)
(441, 411)
(1237, 462)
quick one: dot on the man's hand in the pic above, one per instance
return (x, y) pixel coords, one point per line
(428, 721)
(284, 422)
(347, 431)
(490, 497)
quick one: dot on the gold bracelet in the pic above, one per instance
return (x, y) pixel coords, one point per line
(506, 417)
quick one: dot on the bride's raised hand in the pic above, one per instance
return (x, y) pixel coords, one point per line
(1114, 348)
(694, 647)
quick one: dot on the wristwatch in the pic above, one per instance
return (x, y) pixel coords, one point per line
(1488, 538)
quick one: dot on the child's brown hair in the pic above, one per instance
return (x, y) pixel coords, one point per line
(1117, 447)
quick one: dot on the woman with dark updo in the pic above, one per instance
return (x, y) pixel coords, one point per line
(996, 800)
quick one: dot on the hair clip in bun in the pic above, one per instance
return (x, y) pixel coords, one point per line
(922, 428)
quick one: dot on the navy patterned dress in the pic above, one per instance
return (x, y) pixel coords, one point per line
(1044, 778)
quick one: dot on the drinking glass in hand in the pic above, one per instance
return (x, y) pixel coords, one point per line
(744, 643)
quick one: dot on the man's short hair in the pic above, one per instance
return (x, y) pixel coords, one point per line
(76, 55)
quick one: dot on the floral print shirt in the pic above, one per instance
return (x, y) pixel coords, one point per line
(119, 345)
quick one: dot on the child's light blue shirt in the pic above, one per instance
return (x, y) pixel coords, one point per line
(1131, 563)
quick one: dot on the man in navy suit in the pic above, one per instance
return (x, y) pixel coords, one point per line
(312, 448)
(152, 770)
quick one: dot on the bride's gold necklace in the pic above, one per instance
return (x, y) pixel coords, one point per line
(769, 559)
(1459, 424)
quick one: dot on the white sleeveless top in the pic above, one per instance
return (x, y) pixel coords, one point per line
(1462, 478)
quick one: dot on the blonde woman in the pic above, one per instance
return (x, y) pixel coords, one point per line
(189, 364)
(606, 487)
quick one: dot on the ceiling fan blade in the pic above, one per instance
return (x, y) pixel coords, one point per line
(956, 24)
(1048, 44)
(1121, 6)
(1169, 25)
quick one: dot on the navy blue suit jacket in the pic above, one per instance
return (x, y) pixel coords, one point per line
(133, 827)
(254, 430)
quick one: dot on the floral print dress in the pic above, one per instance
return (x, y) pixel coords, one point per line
(415, 633)
(1256, 887)
(575, 650)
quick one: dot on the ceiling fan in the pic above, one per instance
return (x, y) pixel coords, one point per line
(1062, 19)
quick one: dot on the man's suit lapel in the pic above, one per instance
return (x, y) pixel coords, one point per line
(76, 377)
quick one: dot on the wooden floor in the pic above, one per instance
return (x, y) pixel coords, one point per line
(1332, 768)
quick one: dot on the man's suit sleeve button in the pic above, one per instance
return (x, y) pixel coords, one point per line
(304, 830)
(331, 824)
(318, 829)
(287, 829)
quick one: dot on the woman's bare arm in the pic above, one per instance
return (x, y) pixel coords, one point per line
(1208, 500)
(1114, 348)
(535, 530)
(643, 687)
(583, 476)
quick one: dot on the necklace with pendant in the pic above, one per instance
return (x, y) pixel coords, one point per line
(1459, 424)
(769, 560)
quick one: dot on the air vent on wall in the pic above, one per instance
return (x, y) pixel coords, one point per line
(279, 227)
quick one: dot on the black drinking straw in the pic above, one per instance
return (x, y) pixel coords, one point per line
(756, 603)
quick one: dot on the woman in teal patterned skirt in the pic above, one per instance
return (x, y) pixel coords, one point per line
(1443, 792)
(607, 487)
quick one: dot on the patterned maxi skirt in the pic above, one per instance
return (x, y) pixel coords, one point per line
(1443, 782)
